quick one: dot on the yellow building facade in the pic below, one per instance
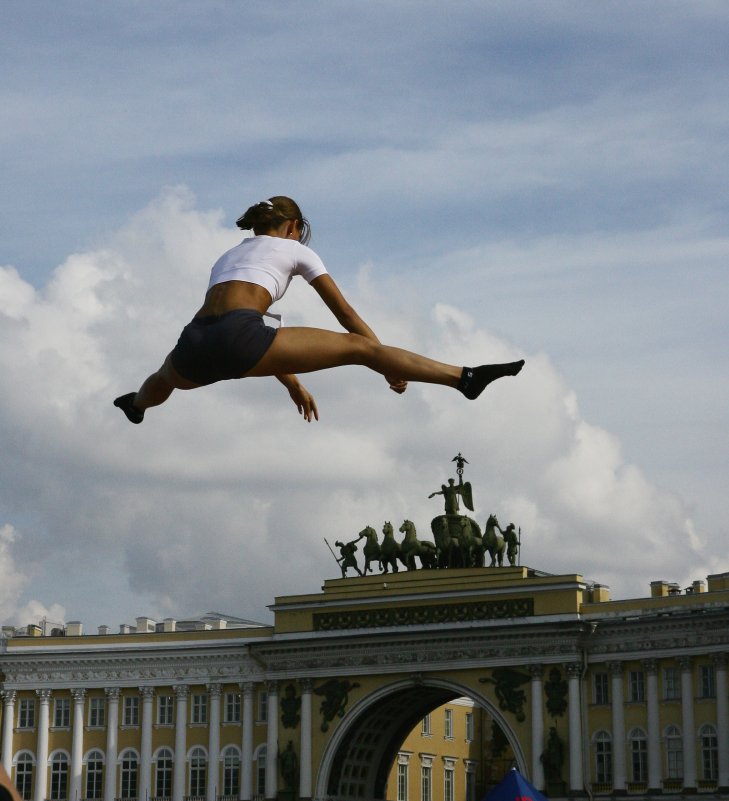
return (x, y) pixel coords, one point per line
(588, 697)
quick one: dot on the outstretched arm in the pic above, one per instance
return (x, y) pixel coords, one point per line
(301, 396)
(348, 318)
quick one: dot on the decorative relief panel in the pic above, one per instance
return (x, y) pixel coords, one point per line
(423, 615)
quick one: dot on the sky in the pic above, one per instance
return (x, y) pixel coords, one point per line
(486, 181)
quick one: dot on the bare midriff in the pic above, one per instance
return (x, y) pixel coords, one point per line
(231, 295)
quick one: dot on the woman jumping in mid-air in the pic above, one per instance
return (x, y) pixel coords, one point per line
(228, 338)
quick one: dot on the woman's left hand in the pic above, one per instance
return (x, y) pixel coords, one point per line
(304, 401)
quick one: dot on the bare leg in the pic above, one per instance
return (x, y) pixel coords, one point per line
(302, 350)
(154, 391)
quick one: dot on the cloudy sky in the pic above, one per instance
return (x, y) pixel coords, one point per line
(485, 180)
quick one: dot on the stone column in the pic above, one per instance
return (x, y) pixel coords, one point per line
(41, 774)
(112, 739)
(688, 725)
(145, 746)
(213, 742)
(246, 760)
(272, 741)
(618, 720)
(178, 778)
(722, 721)
(574, 673)
(536, 672)
(305, 774)
(6, 758)
(654, 727)
(75, 791)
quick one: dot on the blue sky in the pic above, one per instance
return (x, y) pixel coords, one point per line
(540, 179)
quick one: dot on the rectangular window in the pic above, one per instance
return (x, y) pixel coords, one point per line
(94, 776)
(448, 785)
(602, 683)
(130, 715)
(199, 709)
(62, 713)
(129, 777)
(603, 760)
(671, 684)
(674, 756)
(59, 779)
(97, 712)
(425, 730)
(639, 758)
(24, 777)
(164, 710)
(231, 775)
(26, 713)
(231, 713)
(448, 724)
(262, 706)
(163, 775)
(707, 678)
(470, 786)
(426, 788)
(402, 782)
(469, 726)
(637, 685)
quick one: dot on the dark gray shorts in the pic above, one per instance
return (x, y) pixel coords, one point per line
(222, 346)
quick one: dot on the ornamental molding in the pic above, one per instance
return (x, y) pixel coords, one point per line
(660, 636)
(459, 650)
(126, 670)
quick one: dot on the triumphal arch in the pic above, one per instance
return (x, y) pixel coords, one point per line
(590, 696)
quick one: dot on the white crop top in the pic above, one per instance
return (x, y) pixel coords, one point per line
(269, 261)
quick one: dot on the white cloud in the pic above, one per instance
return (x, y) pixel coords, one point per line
(222, 497)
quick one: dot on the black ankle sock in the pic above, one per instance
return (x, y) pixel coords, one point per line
(126, 404)
(474, 380)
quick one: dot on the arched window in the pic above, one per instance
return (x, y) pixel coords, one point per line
(709, 753)
(198, 771)
(59, 777)
(261, 770)
(603, 758)
(94, 775)
(24, 775)
(639, 755)
(129, 762)
(163, 773)
(674, 753)
(231, 771)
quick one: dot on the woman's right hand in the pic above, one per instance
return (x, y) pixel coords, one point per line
(397, 384)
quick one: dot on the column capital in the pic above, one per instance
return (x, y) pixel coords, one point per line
(719, 660)
(685, 662)
(574, 670)
(616, 668)
(272, 687)
(247, 687)
(650, 665)
(44, 695)
(536, 671)
(8, 696)
(147, 692)
(181, 691)
(78, 693)
(307, 685)
(112, 693)
(214, 690)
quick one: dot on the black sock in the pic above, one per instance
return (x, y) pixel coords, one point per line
(474, 380)
(126, 404)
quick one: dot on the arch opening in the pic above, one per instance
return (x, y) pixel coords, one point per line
(362, 757)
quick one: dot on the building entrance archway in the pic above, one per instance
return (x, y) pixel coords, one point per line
(362, 751)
